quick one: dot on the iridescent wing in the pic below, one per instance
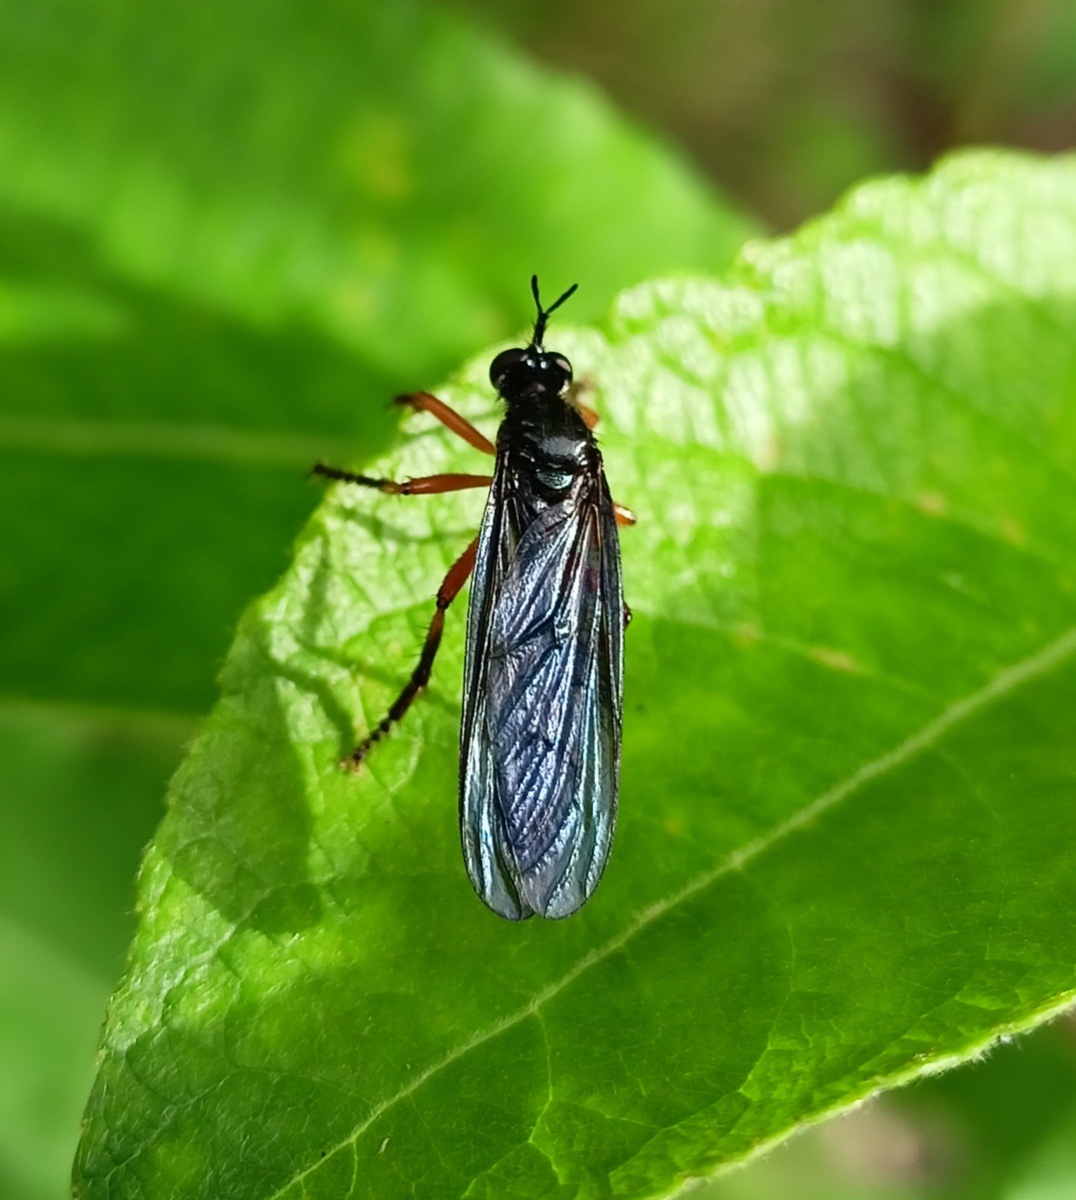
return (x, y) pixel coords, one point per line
(542, 715)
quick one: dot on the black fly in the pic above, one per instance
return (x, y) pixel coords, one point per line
(543, 678)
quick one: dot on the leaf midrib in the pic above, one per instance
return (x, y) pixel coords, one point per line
(1000, 686)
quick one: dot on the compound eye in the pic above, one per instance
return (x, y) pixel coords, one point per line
(562, 364)
(503, 363)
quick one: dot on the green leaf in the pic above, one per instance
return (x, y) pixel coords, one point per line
(49, 1018)
(79, 792)
(228, 233)
(1050, 1176)
(845, 855)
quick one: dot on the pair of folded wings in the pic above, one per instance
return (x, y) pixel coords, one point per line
(542, 707)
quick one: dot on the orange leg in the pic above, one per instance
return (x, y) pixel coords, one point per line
(580, 388)
(457, 576)
(424, 402)
(590, 416)
(425, 485)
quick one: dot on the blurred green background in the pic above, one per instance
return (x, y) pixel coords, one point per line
(228, 233)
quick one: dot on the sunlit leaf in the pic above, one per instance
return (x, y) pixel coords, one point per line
(845, 855)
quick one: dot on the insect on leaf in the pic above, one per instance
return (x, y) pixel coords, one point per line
(845, 854)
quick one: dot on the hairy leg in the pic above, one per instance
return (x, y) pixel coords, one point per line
(424, 402)
(425, 485)
(457, 576)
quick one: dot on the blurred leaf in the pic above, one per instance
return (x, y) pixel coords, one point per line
(1051, 1176)
(228, 233)
(79, 776)
(50, 1013)
(845, 855)
(80, 795)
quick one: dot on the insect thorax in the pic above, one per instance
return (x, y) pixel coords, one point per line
(550, 442)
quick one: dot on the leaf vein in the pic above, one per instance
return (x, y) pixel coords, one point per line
(1001, 685)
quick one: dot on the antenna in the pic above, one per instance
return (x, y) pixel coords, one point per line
(544, 313)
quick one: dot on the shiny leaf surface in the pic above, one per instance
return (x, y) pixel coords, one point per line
(845, 855)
